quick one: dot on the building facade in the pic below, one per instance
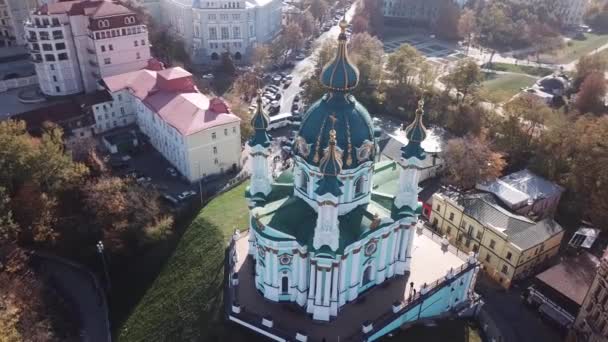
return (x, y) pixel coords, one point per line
(330, 237)
(211, 28)
(421, 12)
(568, 12)
(76, 43)
(510, 246)
(13, 14)
(197, 134)
(591, 324)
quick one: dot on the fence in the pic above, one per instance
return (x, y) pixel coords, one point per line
(13, 83)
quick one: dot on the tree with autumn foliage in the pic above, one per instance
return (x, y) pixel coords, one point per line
(470, 160)
(590, 98)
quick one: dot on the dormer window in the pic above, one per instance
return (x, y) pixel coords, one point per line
(129, 20)
(103, 23)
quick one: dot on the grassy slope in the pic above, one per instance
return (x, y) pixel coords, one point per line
(521, 69)
(500, 88)
(578, 48)
(185, 301)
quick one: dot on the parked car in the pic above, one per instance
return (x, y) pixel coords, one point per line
(289, 77)
(286, 84)
(301, 56)
(208, 76)
(185, 195)
(277, 96)
(172, 172)
(296, 98)
(295, 106)
(172, 200)
(277, 79)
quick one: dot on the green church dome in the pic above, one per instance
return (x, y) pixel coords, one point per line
(338, 111)
(340, 74)
(260, 122)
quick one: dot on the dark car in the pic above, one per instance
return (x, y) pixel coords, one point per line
(295, 106)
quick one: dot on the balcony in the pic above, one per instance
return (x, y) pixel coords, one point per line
(58, 36)
(35, 60)
(95, 74)
(91, 51)
(32, 39)
(93, 63)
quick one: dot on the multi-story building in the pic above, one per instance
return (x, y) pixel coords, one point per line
(13, 13)
(509, 245)
(405, 12)
(197, 134)
(591, 324)
(210, 28)
(76, 43)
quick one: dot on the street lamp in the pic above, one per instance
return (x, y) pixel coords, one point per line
(100, 249)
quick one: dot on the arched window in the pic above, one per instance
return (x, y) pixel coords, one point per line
(214, 56)
(359, 186)
(367, 275)
(284, 285)
(237, 56)
(304, 182)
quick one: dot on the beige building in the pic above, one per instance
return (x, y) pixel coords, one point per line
(510, 246)
(196, 133)
(591, 324)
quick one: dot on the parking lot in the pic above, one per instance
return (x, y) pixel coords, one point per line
(150, 168)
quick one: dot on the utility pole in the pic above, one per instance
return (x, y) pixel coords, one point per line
(100, 250)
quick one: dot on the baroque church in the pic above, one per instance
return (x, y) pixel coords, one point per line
(329, 239)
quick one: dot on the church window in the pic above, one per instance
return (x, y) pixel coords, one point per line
(304, 182)
(509, 255)
(451, 217)
(488, 257)
(492, 244)
(284, 285)
(359, 186)
(367, 276)
(285, 259)
(505, 269)
(214, 150)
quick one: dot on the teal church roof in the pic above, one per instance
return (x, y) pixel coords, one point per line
(415, 133)
(340, 111)
(340, 74)
(260, 122)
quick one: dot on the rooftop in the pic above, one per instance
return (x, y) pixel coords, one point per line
(521, 231)
(521, 188)
(429, 263)
(174, 98)
(572, 277)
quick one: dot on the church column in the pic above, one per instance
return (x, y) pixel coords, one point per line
(410, 244)
(327, 286)
(391, 256)
(295, 274)
(311, 287)
(401, 249)
(267, 268)
(381, 272)
(319, 287)
(301, 293)
(334, 290)
(353, 291)
(275, 269)
(342, 288)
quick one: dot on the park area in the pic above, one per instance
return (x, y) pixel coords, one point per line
(575, 49)
(500, 88)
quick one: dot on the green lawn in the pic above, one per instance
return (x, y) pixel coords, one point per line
(521, 69)
(185, 302)
(500, 88)
(575, 49)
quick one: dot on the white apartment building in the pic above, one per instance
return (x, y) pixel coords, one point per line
(210, 28)
(197, 134)
(76, 43)
(13, 13)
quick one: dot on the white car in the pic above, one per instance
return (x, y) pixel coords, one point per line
(300, 57)
(208, 77)
(172, 172)
(186, 194)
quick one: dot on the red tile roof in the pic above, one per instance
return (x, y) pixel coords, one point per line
(186, 109)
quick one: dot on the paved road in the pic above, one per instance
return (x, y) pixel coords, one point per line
(516, 322)
(77, 285)
(303, 68)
